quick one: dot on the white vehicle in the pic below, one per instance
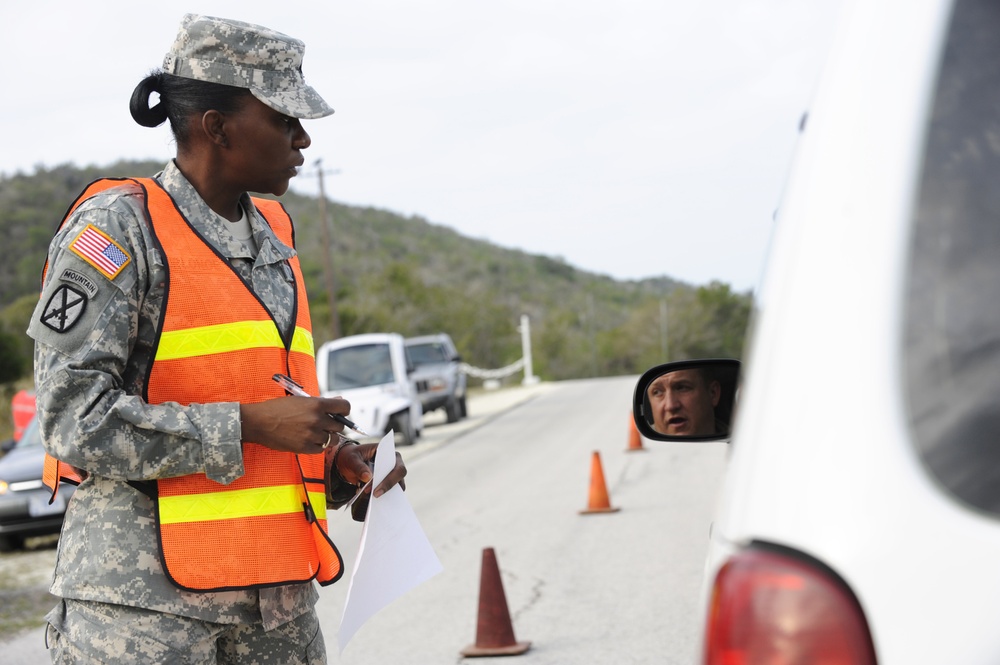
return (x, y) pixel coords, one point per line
(859, 521)
(372, 373)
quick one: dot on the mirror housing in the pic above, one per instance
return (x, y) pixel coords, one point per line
(687, 400)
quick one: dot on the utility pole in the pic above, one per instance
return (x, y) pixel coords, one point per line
(591, 320)
(663, 331)
(331, 287)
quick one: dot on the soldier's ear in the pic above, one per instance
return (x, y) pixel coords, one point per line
(213, 127)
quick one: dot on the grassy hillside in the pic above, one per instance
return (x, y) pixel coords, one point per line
(406, 274)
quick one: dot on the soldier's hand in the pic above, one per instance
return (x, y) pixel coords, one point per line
(294, 424)
(354, 464)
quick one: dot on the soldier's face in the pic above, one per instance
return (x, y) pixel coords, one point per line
(264, 147)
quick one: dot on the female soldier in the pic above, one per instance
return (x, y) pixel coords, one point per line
(168, 303)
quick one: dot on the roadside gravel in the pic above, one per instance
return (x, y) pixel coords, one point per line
(24, 584)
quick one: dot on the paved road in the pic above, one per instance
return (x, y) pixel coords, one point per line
(607, 588)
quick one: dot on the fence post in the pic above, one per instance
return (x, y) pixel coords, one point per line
(525, 328)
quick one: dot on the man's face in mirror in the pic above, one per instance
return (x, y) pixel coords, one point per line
(683, 403)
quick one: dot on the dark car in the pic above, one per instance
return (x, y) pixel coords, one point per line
(25, 510)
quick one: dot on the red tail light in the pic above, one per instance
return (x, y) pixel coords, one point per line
(772, 609)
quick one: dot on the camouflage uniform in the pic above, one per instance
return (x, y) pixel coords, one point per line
(91, 362)
(94, 329)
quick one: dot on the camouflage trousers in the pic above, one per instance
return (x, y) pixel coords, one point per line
(92, 632)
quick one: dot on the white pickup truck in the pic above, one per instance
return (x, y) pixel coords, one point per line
(372, 372)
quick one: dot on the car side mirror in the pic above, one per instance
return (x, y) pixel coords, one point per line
(688, 400)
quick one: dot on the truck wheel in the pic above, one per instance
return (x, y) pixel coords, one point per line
(11, 542)
(453, 410)
(403, 424)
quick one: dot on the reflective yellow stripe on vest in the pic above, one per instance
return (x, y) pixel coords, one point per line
(238, 336)
(255, 502)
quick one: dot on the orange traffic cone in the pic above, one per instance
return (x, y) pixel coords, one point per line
(494, 632)
(598, 502)
(634, 440)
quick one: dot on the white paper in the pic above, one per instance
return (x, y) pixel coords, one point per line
(394, 555)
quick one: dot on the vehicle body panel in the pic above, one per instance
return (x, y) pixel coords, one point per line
(821, 459)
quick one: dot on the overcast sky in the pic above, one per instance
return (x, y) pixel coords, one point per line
(632, 138)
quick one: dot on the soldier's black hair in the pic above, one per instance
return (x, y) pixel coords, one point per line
(179, 98)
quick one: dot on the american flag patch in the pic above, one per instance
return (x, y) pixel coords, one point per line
(100, 251)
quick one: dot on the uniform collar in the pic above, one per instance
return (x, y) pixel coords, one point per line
(206, 222)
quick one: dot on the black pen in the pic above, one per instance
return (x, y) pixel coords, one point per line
(295, 389)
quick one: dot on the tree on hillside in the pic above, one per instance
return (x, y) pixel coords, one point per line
(13, 322)
(710, 322)
(12, 364)
(639, 342)
(562, 347)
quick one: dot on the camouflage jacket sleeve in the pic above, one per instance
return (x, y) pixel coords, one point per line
(94, 329)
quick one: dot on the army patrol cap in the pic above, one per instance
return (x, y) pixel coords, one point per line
(266, 62)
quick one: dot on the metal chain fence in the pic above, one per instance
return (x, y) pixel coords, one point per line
(501, 373)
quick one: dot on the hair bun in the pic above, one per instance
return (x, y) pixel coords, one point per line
(139, 106)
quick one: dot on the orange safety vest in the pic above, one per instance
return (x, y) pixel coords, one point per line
(218, 343)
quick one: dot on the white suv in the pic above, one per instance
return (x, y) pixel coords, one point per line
(860, 516)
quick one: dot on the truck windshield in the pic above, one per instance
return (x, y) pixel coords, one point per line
(426, 354)
(359, 366)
